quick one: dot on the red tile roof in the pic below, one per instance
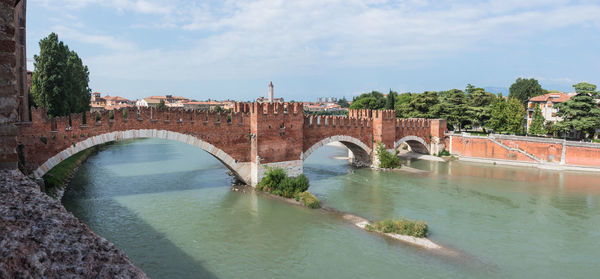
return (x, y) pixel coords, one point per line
(558, 97)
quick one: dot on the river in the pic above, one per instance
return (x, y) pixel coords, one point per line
(170, 207)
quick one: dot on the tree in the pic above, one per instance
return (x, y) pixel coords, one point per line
(60, 80)
(507, 116)
(343, 102)
(480, 102)
(419, 106)
(581, 112)
(390, 100)
(523, 89)
(457, 112)
(161, 105)
(537, 126)
(373, 100)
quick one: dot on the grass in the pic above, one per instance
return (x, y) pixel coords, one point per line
(309, 200)
(58, 175)
(403, 226)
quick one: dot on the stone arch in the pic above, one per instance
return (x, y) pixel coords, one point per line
(361, 152)
(416, 144)
(240, 170)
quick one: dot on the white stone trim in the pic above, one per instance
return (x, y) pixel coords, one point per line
(339, 138)
(242, 170)
(415, 138)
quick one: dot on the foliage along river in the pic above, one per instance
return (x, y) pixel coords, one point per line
(170, 207)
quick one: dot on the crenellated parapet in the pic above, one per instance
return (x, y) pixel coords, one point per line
(247, 139)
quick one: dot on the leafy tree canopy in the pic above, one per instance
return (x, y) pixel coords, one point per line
(373, 100)
(523, 89)
(581, 112)
(59, 80)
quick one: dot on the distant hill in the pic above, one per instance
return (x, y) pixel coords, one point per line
(492, 89)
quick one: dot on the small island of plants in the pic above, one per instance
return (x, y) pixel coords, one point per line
(403, 227)
(387, 160)
(277, 182)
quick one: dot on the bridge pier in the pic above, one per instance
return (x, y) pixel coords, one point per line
(292, 168)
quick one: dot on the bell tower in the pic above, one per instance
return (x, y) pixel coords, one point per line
(270, 92)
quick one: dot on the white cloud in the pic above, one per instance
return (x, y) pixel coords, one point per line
(264, 37)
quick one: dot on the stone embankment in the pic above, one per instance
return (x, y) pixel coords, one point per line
(40, 239)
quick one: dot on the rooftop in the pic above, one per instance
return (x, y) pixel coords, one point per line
(557, 97)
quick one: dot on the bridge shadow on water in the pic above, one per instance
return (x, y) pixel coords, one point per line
(148, 248)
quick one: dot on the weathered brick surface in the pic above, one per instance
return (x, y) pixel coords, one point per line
(8, 94)
(542, 150)
(253, 132)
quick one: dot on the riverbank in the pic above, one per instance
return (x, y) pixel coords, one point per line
(39, 238)
(58, 178)
(546, 166)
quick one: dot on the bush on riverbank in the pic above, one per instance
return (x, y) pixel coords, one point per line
(278, 183)
(444, 153)
(403, 226)
(387, 160)
(309, 200)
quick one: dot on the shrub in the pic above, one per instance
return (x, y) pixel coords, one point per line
(111, 115)
(403, 226)
(44, 139)
(125, 114)
(309, 200)
(443, 153)
(73, 136)
(386, 158)
(272, 179)
(404, 147)
(278, 183)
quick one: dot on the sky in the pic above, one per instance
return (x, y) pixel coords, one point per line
(315, 48)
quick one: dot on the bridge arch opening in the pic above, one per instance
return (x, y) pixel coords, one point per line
(416, 144)
(360, 153)
(240, 170)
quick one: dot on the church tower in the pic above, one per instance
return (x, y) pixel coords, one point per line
(270, 92)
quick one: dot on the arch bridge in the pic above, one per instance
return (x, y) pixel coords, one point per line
(248, 140)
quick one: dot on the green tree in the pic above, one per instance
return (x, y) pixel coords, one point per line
(523, 89)
(537, 126)
(507, 116)
(60, 80)
(161, 105)
(457, 112)
(480, 105)
(343, 102)
(419, 106)
(373, 100)
(581, 112)
(390, 100)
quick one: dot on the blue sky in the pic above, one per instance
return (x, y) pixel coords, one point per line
(311, 48)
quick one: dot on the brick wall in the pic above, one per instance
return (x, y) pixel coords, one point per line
(8, 92)
(526, 149)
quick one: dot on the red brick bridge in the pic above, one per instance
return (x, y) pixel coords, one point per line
(251, 138)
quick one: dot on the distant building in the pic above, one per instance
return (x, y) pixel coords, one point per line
(270, 96)
(547, 104)
(98, 103)
(170, 101)
(327, 100)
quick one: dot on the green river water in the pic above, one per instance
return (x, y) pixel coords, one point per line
(170, 207)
